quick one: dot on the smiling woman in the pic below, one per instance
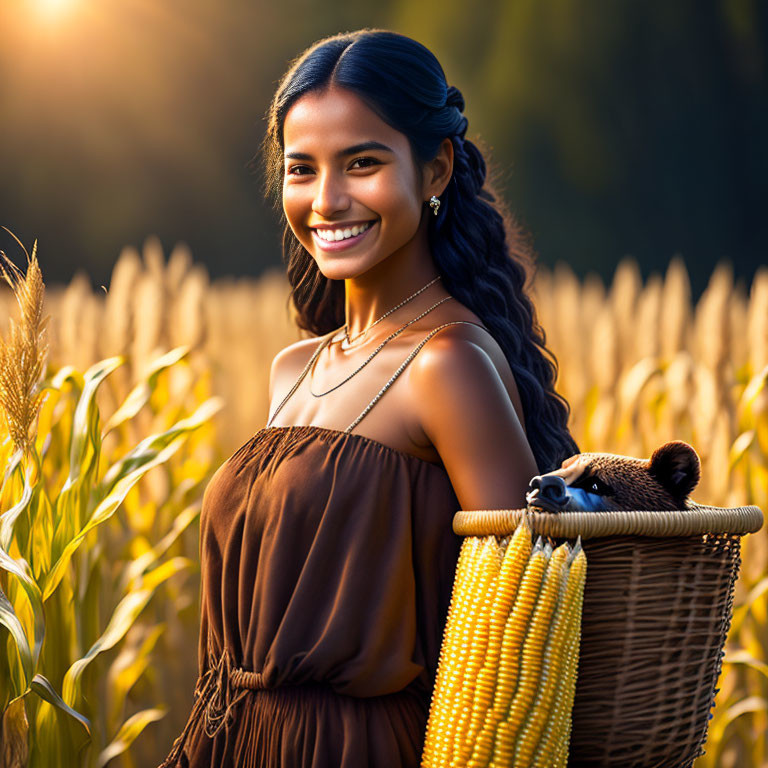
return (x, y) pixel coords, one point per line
(332, 182)
(327, 554)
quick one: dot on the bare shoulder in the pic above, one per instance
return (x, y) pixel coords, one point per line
(468, 408)
(288, 363)
(461, 352)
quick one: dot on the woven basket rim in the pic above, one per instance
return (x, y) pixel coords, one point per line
(698, 519)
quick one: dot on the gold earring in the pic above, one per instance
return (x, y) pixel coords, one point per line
(434, 204)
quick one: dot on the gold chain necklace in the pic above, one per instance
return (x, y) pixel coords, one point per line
(374, 353)
(388, 312)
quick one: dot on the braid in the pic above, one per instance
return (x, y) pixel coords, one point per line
(470, 239)
(454, 98)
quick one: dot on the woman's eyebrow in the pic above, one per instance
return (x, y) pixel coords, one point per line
(366, 145)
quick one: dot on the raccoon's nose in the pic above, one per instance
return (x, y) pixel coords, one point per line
(550, 487)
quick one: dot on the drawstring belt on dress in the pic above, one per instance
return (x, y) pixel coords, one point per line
(214, 699)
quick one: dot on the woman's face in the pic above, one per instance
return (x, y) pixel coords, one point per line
(347, 174)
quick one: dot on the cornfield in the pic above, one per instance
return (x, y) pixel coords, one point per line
(158, 353)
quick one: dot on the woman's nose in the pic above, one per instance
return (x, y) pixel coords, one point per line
(330, 195)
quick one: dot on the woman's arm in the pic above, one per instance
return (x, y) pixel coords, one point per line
(466, 409)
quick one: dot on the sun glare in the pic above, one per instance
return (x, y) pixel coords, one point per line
(52, 8)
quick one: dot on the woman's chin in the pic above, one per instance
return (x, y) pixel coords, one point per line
(343, 266)
(334, 269)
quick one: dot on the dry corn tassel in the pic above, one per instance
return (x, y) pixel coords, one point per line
(531, 659)
(515, 557)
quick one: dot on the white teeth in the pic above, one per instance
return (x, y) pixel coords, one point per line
(342, 234)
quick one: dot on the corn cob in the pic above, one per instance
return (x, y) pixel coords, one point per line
(510, 575)
(531, 659)
(515, 704)
(554, 747)
(509, 657)
(439, 737)
(554, 667)
(486, 577)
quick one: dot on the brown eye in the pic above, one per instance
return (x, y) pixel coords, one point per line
(370, 160)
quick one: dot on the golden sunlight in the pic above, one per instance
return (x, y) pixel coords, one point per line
(52, 8)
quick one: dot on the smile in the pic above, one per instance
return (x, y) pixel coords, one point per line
(340, 239)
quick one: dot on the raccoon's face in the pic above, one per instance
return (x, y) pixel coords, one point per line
(577, 485)
(606, 481)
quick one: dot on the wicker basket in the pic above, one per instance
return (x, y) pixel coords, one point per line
(657, 608)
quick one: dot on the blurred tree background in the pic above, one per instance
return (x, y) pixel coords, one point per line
(616, 128)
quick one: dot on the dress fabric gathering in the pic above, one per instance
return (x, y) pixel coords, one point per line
(327, 564)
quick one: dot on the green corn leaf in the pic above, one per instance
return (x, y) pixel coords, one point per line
(757, 592)
(9, 517)
(41, 536)
(739, 448)
(754, 387)
(43, 688)
(125, 614)
(93, 568)
(85, 424)
(128, 732)
(750, 705)
(21, 570)
(127, 668)
(745, 658)
(10, 467)
(123, 617)
(11, 622)
(104, 511)
(144, 561)
(85, 446)
(147, 448)
(64, 374)
(163, 572)
(140, 394)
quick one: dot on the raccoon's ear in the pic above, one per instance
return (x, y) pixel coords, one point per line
(676, 466)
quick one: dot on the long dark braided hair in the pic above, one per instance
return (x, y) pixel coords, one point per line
(482, 254)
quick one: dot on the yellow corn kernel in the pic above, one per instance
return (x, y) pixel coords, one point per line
(553, 749)
(573, 659)
(531, 659)
(436, 749)
(514, 621)
(515, 558)
(554, 664)
(544, 754)
(486, 577)
(509, 657)
(458, 654)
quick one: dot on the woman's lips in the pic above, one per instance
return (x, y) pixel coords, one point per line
(340, 245)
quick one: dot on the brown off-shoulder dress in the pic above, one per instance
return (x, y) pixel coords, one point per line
(327, 564)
